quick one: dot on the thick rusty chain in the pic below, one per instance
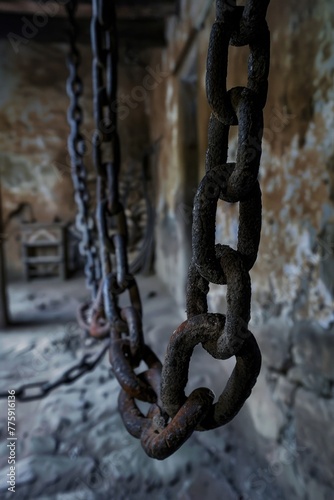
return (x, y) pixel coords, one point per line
(222, 336)
(76, 146)
(127, 348)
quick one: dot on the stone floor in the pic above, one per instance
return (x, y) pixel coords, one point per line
(72, 444)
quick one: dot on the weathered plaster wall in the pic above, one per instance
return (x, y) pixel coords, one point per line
(178, 168)
(292, 407)
(32, 135)
(34, 163)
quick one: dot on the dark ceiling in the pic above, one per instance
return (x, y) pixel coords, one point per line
(140, 22)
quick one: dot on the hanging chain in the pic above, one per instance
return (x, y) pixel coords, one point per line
(84, 222)
(222, 336)
(173, 416)
(76, 146)
(127, 348)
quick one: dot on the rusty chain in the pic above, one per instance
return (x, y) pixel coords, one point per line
(222, 336)
(173, 416)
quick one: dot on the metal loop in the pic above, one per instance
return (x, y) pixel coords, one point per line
(112, 288)
(251, 18)
(204, 219)
(159, 438)
(207, 329)
(132, 417)
(21, 393)
(123, 367)
(236, 180)
(162, 443)
(237, 297)
(96, 325)
(216, 74)
(108, 223)
(133, 320)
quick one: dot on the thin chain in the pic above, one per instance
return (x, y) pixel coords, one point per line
(76, 145)
(84, 222)
(38, 390)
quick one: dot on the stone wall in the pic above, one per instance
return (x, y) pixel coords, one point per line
(290, 413)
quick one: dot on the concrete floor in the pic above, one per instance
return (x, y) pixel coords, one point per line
(72, 444)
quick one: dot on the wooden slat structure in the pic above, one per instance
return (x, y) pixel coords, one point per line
(139, 21)
(44, 249)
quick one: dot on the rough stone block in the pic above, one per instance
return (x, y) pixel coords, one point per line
(284, 390)
(310, 379)
(205, 485)
(267, 417)
(314, 430)
(42, 445)
(313, 348)
(274, 339)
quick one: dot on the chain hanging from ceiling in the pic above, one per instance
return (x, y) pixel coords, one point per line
(173, 416)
